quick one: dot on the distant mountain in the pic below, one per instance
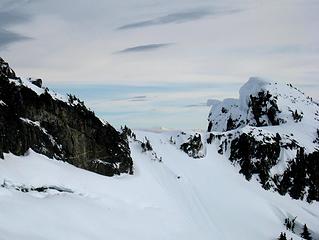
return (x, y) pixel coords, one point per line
(32, 116)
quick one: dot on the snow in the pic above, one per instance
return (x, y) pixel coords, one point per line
(32, 123)
(222, 110)
(171, 196)
(178, 198)
(27, 83)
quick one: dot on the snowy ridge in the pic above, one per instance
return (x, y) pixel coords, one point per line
(262, 103)
(297, 115)
(27, 82)
(70, 100)
(268, 133)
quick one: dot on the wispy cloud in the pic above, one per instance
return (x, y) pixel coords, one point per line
(196, 105)
(141, 98)
(8, 37)
(143, 48)
(138, 99)
(178, 17)
(8, 18)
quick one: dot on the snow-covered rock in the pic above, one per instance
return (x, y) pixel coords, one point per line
(5, 70)
(271, 133)
(261, 103)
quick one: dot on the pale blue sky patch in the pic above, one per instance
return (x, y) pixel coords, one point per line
(163, 102)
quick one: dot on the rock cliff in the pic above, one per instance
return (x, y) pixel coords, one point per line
(59, 127)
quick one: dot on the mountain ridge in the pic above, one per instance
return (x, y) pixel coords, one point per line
(34, 117)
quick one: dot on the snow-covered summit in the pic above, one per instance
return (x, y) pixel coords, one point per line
(251, 87)
(272, 134)
(262, 103)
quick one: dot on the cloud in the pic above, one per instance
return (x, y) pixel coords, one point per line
(140, 98)
(8, 18)
(7, 37)
(196, 105)
(178, 17)
(143, 48)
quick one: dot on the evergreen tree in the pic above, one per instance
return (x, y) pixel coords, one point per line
(293, 225)
(298, 173)
(288, 223)
(282, 236)
(305, 233)
(146, 146)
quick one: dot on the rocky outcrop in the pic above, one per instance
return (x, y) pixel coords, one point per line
(260, 103)
(255, 157)
(271, 134)
(301, 178)
(194, 146)
(5, 70)
(33, 117)
(192, 143)
(277, 161)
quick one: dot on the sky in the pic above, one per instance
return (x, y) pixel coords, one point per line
(155, 63)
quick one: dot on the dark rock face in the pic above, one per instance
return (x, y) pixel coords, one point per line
(257, 154)
(63, 130)
(231, 124)
(193, 146)
(255, 157)
(5, 70)
(301, 178)
(37, 82)
(259, 107)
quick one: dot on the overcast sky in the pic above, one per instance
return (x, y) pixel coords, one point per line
(188, 50)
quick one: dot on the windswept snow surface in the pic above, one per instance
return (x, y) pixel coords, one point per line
(179, 198)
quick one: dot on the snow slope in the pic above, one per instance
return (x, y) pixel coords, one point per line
(177, 198)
